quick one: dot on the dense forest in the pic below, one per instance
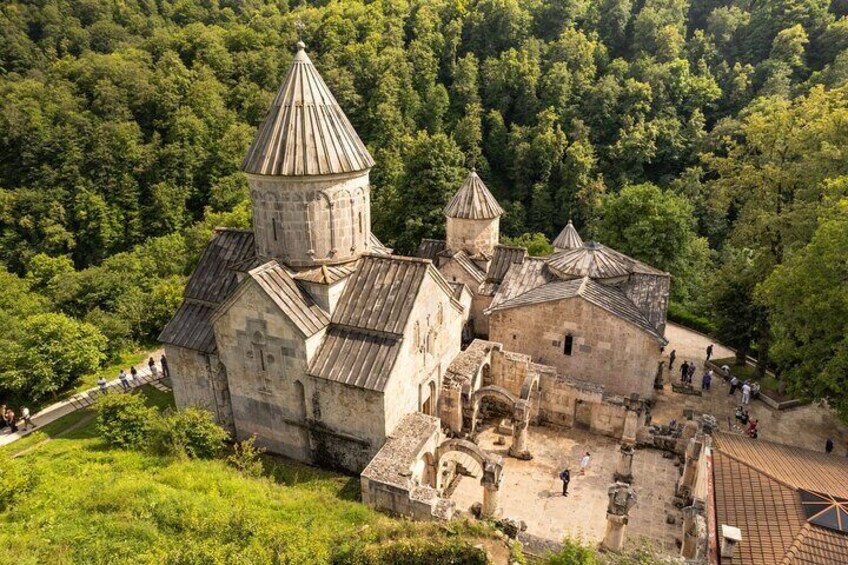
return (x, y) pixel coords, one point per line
(705, 137)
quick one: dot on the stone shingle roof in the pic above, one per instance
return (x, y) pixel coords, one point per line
(213, 281)
(568, 238)
(469, 266)
(376, 246)
(606, 297)
(431, 248)
(296, 304)
(502, 259)
(305, 132)
(596, 261)
(326, 274)
(756, 489)
(356, 357)
(473, 201)
(521, 278)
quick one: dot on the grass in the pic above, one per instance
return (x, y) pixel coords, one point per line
(748, 372)
(76, 500)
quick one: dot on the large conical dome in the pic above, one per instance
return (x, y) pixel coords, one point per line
(473, 201)
(568, 238)
(305, 131)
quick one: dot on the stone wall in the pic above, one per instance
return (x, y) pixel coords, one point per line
(606, 350)
(200, 380)
(474, 236)
(304, 221)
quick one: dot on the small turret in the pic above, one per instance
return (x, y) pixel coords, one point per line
(567, 239)
(473, 216)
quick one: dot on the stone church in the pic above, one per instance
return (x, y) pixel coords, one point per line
(310, 334)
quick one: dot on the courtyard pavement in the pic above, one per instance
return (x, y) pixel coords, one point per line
(531, 490)
(806, 426)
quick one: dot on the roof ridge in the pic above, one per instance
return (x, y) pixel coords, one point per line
(219, 229)
(757, 469)
(421, 260)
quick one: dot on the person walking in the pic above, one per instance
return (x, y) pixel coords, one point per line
(746, 393)
(584, 463)
(671, 357)
(27, 418)
(828, 446)
(166, 372)
(154, 371)
(709, 351)
(706, 379)
(133, 376)
(734, 384)
(122, 376)
(684, 370)
(10, 420)
(565, 477)
(2, 417)
(691, 374)
(103, 384)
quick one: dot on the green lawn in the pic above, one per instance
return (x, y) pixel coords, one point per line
(748, 373)
(76, 500)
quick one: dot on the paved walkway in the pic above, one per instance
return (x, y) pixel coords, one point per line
(83, 400)
(806, 426)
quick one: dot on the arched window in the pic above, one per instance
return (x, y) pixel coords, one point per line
(274, 227)
(440, 316)
(300, 396)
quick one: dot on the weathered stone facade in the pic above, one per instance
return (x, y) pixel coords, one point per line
(603, 349)
(476, 237)
(200, 380)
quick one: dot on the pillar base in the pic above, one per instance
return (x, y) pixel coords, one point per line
(623, 478)
(614, 536)
(523, 455)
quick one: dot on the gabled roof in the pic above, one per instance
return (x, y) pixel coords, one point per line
(356, 357)
(326, 274)
(469, 266)
(431, 248)
(502, 259)
(213, 281)
(473, 201)
(305, 132)
(296, 304)
(521, 278)
(380, 295)
(568, 238)
(598, 262)
(758, 487)
(606, 297)
(376, 246)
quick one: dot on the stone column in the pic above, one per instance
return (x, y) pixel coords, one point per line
(491, 500)
(621, 500)
(631, 424)
(623, 469)
(690, 468)
(614, 536)
(694, 532)
(520, 425)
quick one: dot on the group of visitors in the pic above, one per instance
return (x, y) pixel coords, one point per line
(687, 372)
(565, 474)
(748, 423)
(128, 380)
(8, 419)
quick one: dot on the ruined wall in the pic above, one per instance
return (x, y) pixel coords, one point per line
(474, 236)
(431, 340)
(199, 380)
(606, 350)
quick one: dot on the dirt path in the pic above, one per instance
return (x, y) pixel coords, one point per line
(69, 429)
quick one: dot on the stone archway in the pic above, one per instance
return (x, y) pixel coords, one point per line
(520, 414)
(490, 464)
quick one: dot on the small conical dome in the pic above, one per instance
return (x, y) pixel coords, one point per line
(568, 238)
(473, 201)
(305, 131)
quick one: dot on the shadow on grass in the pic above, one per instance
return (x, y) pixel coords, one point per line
(288, 472)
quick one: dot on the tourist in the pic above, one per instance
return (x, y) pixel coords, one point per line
(734, 383)
(584, 463)
(828, 446)
(2, 417)
(122, 376)
(746, 393)
(691, 374)
(27, 418)
(709, 351)
(725, 372)
(706, 379)
(752, 429)
(10, 420)
(165, 371)
(565, 477)
(684, 370)
(671, 357)
(742, 415)
(133, 375)
(103, 384)
(154, 371)
(755, 391)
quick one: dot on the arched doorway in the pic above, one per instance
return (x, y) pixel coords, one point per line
(457, 458)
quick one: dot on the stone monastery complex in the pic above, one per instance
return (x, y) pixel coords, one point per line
(310, 334)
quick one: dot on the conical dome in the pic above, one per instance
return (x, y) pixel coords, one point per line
(305, 131)
(473, 201)
(568, 238)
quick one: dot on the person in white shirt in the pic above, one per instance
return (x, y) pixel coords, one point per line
(584, 463)
(746, 393)
(26, 417)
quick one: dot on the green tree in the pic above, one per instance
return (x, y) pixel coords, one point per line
(537, 244)
(124, 421)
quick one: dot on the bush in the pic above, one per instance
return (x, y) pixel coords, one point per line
(124, 420)
(680, 315)
(573, 552)
(17, 478)
(189, 433)
(411, 552)
(246, 459)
